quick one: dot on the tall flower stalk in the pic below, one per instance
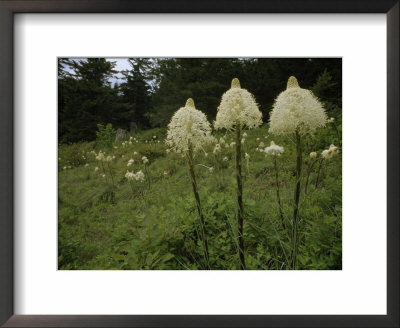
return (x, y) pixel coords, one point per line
(237, 110)
(297, 112)
(275, 151)
(187, 132)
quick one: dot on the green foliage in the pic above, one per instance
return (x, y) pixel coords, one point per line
(154, 88)
(102, 226)
(105, 135)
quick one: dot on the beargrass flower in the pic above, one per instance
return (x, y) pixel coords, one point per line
(274, 149)
(237, 106)
(296, 110)
(187, 132)
(217, 148)
(188, 128)
(100, 156)
(145, 160)
(330, 152)
(313, 154)
(237, 110)
(130, 162)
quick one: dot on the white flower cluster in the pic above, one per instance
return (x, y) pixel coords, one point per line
(101, 157)
(130, 162)
(296, 109)
(138, 176)
(313, 154)
(145, 160)
(274, 150)
(329, 153)
(188, 126)
(260, 147)
(237, 106)
(217, 149)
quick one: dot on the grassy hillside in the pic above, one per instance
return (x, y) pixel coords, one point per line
(105, 222)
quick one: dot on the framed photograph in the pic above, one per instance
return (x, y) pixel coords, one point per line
(206, 164)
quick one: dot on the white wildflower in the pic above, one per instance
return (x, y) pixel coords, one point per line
(245, 134)
(243, 140)
(154, 137)
(130, 162)
(64, 168)
(313, 154)
(258, 139)
(188, 128)
(96, 168)
(237, 106)
(247, 156)
(86, 165)
(135, 153)
(221, 140)
(225, 159)
(274, 150)
(165, 173)
(103, 175)
(211, 169)
(232, 144)
(100, 156)
(217, 148)
(145, 160)
(108, 159)
(329, 153)
(331, 120)
(129, 175)
(296, 109)
(139, 176)
(261, 145)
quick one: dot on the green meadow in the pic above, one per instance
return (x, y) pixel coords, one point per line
(107, 222)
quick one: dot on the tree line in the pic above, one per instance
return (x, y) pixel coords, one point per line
(92, 91)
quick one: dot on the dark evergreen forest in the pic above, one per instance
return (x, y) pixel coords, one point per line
(154, 88)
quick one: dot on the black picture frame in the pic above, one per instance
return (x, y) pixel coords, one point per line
(10, 7)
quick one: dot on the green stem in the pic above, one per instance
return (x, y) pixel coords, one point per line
(147, 173)
(338, 134)
(112, 177)
(239, 195)
(296, 199)
(277, 190)
(319, 170)
(309, 172)
(198, 204)
(133, 191)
